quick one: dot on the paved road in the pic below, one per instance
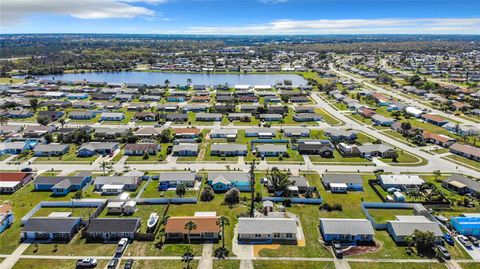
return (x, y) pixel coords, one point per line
(400, 97)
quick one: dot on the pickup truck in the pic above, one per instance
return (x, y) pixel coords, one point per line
(122, 244)
(86, 263)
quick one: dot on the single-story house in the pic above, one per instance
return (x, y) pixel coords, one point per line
(403, 182)
(296, 132)
(271, 150)
(462, 185)
(112, 116)
(434, 119)
(468, 225)
(323, 148)
(208, 116)
(6, 216)
(145, 116)
(116, 184)
(112, 229)
(51, 229)
(271, 117)
(346, 230)
(177, 117)
(375, 150)
(223, 181)
(81, 115)
(224, 133)
(18, 147)
(381, 120)
(172, 179)
(342, 182)
(438, 139)
(339, 135)
(48, 150)
(10, 182)
(185, 149)
(366, 112)
(92, 148)
(61, 185)
(467, 151)
(207, 228)
(186, 132)
(141, 148)
(267, 230)
(405, 226)
(304, 117)
(228, 149)
(260, 132)
(51, 115)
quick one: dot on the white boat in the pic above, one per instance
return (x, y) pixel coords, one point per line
(152, 220)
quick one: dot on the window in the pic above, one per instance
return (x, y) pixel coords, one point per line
(208, 234)
(258, 235)
(289, 235)
(276, 235)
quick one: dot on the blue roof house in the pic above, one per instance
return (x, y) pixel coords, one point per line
(466, 225)
(224, 181)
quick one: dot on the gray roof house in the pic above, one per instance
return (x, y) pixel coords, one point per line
(113, 228)
(172, 179)
(296, 132)
(50, 149)
(406, 225)
(185, 149)
(260, 132)
(223, 181)
(279, 230)
(116, 184)
(462, 185)
(376, 150)
(228, 149)
(49, 228)
(342, 182)
(223, 133)
(346, 230)
(270, 150)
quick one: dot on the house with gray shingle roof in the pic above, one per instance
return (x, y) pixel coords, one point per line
(228, 149)
(268, 230)
(46, 150)
(172, 179)
(342, 182)
(346, 230)
(223, 181)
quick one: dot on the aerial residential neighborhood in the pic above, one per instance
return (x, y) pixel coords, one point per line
(335, 140)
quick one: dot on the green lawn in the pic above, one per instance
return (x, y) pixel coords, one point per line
(338, 159)
(381, 215)
(152, 192)
(143, 212)
(77, 246)
(208, 157)
(226, 264)
(406, 158)
(69, 157)
(170, 264)
(463, 160)
(83, 212)
(51, 264)
(4, 157)
(160, 157)
(328, 118)
(314, 76)
(407, 265)
(470, 265)
(259, 264)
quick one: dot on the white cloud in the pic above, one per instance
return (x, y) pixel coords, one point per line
(352, 26)
(14, 11)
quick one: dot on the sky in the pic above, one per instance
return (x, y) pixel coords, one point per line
(239, 17)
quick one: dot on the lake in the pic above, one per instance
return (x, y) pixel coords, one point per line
(156, 78)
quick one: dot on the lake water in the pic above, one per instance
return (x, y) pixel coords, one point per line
(156, 78)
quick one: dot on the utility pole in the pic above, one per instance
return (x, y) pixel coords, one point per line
(252, 188)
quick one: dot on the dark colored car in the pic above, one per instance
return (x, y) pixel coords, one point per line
(443, 252)
(449, 239)
(379, 171)
(128, 264)
(26, 170)
(112, 264)
(474, 240)
(337, 250)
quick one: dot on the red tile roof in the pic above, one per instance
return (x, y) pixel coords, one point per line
(204, 225)
(12, 176)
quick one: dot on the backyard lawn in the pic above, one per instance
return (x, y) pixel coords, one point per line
(51, 264)
(259, 264)
(407, 265)
(69, 157)
(226, 264)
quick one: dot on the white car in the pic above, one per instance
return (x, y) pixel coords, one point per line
(87, 262)
(122, 244)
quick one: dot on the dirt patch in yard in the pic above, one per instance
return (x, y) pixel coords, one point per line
(355, 250)
(258, 248)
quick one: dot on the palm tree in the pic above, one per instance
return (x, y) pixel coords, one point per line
(167, 83)
(61, 121)
(190, 226)
(189, 81)
(222, 222)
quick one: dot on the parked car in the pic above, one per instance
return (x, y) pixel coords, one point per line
(443, 252)
(449, 239)
(128, 264)
(122, 244)
(474, 240)
(464, 240)
(26, 170)
(86, 263)
(368, 157)
(379, 171)
(337, 250)
(112, 264)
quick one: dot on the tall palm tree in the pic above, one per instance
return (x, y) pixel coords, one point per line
(190, 226)
(222, 222)
(167, 83)
(189, 81)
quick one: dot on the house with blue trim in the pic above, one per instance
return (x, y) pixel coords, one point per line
(48, 150)
(112, 116)
(342, 182)
(381, 120)
(346, 230)
(466, 225)
(224, 181)
(92, 148)
(173, 179)
(17, 147)
(6, 217)
(175, 98)
(61, 185)
(77, 96)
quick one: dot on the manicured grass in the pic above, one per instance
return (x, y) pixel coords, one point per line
(211, 158)
(406, 265)
(77, 246)
(159, 157)
(51, 264)
(470, 265)
(338, 159)
(4, 157)
(388, 249)
(314, 76)
(11, 80)
(405, 158)
(83, 212)
(259, 264)
(143, 213)
(170, 264)
(463, 160)
(23, 201)
(328, 118)
(152, 192)
(383, 215)
(69, 157)
(226, 264)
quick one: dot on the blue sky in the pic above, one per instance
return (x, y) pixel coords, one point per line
(241, 17)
